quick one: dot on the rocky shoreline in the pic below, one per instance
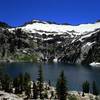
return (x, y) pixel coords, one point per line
(76, 95)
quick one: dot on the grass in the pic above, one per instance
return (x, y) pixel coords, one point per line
(27, 58)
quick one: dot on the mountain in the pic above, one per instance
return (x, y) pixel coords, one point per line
(4, 25)
(49, 41)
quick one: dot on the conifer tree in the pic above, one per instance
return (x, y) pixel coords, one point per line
(7, 83)
(35, 91)
(49, 83)
(21, 82)
(94, 88)
(28, 91)
(40, 80)
(27, 80)
(86, 87)
(16, 85)
(1, 79)
(27, 85)
(61, 87)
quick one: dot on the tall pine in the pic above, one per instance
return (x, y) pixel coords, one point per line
(61, 87)
(40, 80)
(27, 84)
(7, 83)
(86, 87)
(35, 91)
(94, 88)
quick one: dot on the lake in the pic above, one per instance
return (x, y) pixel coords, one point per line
(75, 74)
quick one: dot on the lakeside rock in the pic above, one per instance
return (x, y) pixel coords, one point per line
(9, 96)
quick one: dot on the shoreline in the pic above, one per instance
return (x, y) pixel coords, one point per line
(23, 61)
(73, 94)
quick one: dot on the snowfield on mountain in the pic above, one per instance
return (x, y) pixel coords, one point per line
(50, 41)
(79, 29)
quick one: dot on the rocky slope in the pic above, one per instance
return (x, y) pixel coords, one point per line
(47, 41)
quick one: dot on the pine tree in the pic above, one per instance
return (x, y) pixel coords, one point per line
(94, 88)
(61, 87)
(27, 80)
(86, 87)
(28, 91)
(1, 79)
(49, 83)
(27, 85)
(21, 82)
(7, 83)
(35, 91)
(16, 85)
(40, 80)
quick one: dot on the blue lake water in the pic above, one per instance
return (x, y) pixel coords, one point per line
(75, 74)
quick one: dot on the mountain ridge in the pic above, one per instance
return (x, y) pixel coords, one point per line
(50, 22)
(42, 41)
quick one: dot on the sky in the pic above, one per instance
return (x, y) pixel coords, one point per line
(17, 12)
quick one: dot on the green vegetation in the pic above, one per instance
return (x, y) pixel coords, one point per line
(35, 91)
(86, 87)
(94, 88)
(61, 87)
(21, 83)
(27, 58)
(40, 80)
(6, 83)
(39, 89)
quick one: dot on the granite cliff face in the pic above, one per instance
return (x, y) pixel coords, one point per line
(47, 41)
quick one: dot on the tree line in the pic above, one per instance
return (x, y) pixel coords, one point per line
(22, 83)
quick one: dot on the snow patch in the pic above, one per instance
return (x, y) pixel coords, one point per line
(95, 64)
(80, 29)
(86, 47)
